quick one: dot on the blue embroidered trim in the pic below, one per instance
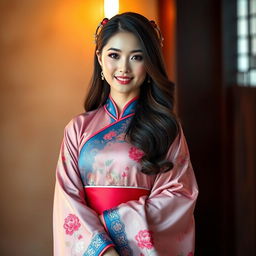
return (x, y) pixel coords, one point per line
(111, 107)
(116, 230)
(98, 243)
(129, 109)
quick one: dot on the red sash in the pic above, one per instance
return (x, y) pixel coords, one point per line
(104, 198)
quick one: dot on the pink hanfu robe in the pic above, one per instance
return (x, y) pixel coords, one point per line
(102, 199)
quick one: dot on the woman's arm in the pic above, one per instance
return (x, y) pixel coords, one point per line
(77, 229)
(163, 223)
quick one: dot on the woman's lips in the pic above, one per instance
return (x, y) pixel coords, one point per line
(123, 80)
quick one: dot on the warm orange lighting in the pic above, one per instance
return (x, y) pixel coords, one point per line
(111, 8)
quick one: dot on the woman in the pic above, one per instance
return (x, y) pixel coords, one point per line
(124, 181)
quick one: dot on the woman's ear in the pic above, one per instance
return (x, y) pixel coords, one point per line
(98, 53)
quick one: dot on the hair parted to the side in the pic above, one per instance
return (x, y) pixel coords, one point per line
(154, 126)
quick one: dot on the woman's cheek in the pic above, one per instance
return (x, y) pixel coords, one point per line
(141, 69)
(110, 65)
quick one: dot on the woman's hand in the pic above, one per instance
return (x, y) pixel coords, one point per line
(110, 252)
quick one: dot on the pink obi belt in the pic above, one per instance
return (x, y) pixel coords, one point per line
(104, 198)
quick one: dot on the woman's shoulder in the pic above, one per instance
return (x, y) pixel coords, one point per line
(79, 122)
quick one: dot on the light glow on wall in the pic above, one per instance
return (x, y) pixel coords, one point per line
(111, 8)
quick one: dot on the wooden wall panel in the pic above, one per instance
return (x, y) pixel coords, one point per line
(244, 152)
(199, 96)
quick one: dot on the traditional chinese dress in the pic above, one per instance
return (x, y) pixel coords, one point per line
(98, 174)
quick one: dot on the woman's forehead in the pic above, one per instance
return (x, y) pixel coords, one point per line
(123, 41)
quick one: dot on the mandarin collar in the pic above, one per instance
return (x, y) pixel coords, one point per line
(128, 109)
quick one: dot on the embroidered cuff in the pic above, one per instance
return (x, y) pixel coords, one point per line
(98, 245)
(116, 230)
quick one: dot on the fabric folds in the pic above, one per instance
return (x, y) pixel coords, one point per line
(103, 200)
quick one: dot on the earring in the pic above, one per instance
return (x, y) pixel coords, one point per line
(102, 75)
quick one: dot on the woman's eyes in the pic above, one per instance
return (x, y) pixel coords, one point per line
(138, 57)
(113, 55)
(116, 56)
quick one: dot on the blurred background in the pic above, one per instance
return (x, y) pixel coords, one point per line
(46, 60)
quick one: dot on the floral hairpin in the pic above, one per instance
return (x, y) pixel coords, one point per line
(101, 24)
(161, 39)
(106, 20)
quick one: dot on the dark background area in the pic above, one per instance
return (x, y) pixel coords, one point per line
(219, 119)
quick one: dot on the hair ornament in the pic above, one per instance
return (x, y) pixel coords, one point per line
(153, 23)
(101, 24)
(106, 20)
(161, 39)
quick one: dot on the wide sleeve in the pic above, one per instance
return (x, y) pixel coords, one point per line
(77, 229)
(162, 223)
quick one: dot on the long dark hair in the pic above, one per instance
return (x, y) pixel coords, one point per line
(154, 126)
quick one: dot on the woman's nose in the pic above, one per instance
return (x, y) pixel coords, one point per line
(124, 65)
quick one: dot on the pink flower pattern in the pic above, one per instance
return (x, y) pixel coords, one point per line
(191, 254)
(109, 135)
(124, 174)
(136, 154)
(71, 224)
(144, 239)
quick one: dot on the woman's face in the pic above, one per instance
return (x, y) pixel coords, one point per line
(122, 64)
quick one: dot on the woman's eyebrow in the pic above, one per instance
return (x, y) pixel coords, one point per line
(118, 50)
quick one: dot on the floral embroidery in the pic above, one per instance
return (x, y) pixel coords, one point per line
(91, 177)
(144, 239)
(71, 224)
(136, 154)
(112, 178)
(124, 174)
(80, 237)
(102, 140)
(109, 135)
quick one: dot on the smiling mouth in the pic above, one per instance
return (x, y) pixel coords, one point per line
(124, 80)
